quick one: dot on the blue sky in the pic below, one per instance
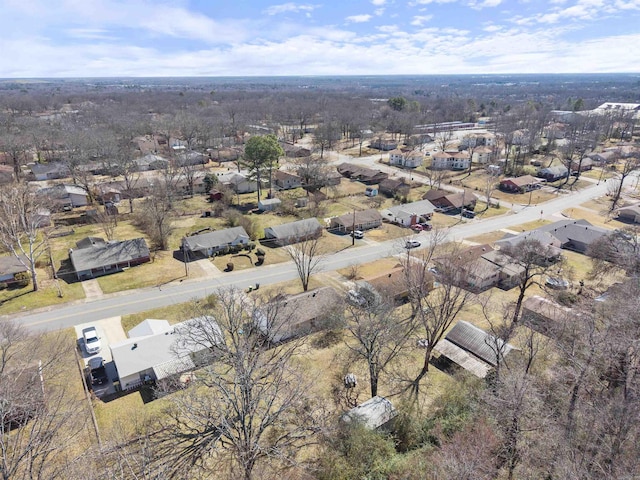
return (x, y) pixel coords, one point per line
(71, 38)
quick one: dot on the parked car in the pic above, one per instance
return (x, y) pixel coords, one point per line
(417, 227)
(97, 371)
(357, 234)
(412, 244)
(468, 213)
(557, 283)
(426, 226)
(91, 340)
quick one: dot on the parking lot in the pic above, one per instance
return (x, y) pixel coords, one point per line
(109, 332)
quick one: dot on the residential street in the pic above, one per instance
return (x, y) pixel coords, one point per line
(134, 301)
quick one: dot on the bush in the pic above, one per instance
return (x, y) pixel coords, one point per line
(229, 266)
(22, 279)
(3, 286)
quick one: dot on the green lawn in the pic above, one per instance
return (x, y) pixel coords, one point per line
(23, 299)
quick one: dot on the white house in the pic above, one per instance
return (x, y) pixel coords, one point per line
(450, 161)
(482, 155)
(269, 204)
(156, 350)
(209, 243)
(411, 159)
(409, 213)
(238, 182)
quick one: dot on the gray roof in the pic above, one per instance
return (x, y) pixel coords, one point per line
(106, 254)
(300, 228)
(478, 342)
(558, 170)
(166, 351)
(288, 314)
(575, 230)
(361, 217)
(10, 265)
(420, 207)
(373, 413)
(215, 239)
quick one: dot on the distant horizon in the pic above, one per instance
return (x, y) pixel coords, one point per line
(195, 38)
(372, 75)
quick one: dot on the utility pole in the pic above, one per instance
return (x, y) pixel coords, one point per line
(353, 229)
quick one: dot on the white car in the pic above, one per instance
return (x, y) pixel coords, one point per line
(357, 234)
(91, 340)
(412, 244)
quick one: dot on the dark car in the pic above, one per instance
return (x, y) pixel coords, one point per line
(468, 214)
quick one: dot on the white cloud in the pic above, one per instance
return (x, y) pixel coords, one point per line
(492, 28)
(290, 7)
(378, 2)
(378, 12)
(427, 2)
(420, 20)
(359, 18)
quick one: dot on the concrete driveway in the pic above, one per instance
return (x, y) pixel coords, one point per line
(109, 331)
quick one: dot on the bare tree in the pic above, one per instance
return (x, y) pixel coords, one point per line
(379, 332)
(534, 260)
(308, 257)
(436, 310)
(628, 164)
(617, 251)
(250, 408)
(39, 420)
(156, 215)
(20, 220)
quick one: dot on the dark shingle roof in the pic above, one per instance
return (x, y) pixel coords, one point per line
(106, 254)
(215, 239)
(10, 265)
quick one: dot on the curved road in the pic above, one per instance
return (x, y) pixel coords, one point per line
(134, 301)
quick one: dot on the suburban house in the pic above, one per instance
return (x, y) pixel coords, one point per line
(549, 318)
(365, 175)
(66, 195)
(298, 315)
(151, 162)
(294, 151)
(394, 284)
(555, 131)
(226, 154)
(93, 256)
(451, 202)
(384, 145)
(191, 158)
(377, 412)
(584, 165)
(602, 158)
(481, 267)
(522, 184)
(286, 180)
(10, 266)
(472, 348)
(551, 174)
(575, 235)
(407, 159)
(409, 214)
(238, 182)
(269, 204)
(472, 140)
(630, 213)
(209, 243)
(106, 193)
(50, 171)
(394, 186)
(450, 161)
(482, 155)
(360, 220)
(293, 232)
(156, 350)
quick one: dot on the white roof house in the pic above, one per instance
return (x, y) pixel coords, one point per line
(159, 350)
(409, 213)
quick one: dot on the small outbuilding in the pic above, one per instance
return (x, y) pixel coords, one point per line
(269, 204)
(377, 412)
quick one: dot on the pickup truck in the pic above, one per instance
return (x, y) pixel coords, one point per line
(97, 371)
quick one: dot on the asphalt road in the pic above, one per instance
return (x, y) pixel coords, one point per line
(135, 301)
